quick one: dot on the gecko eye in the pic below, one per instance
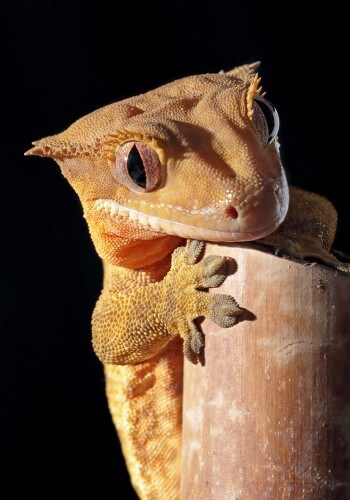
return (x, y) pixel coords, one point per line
(266, 120)
(137, 166)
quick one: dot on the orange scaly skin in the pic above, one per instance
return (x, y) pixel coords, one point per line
(216, 178)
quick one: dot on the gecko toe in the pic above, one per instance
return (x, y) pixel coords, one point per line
(193, 250)
(225, 310)
(193, 344)
(214, 271)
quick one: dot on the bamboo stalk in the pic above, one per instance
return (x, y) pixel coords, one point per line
(268, 415)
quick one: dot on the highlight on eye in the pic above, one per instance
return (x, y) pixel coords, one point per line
(266, 120)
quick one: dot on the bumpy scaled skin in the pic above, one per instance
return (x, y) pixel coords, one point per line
(195, 159)
(309, 229)
(149, 329)
(145, 401)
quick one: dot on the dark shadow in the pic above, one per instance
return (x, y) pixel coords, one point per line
(245, 315)
(201, 355)
(232, 266)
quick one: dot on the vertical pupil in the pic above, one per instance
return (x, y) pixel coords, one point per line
(135, 167)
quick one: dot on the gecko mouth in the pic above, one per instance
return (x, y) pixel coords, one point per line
(158, 224)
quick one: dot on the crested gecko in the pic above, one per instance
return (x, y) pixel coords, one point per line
(157, 175)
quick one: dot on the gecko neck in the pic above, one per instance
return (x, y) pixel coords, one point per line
(116, 277)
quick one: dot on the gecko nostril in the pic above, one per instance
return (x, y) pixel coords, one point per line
(231, 212)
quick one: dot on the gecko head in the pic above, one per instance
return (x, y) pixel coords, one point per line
(197, 158)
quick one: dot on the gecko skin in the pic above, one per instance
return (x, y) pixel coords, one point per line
(196, 159)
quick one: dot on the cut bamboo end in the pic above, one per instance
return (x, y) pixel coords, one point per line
(268, 414)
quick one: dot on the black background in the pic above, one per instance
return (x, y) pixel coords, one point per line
(61, 60)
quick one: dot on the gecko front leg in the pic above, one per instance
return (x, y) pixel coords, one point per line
(134, 321)
(130, 327)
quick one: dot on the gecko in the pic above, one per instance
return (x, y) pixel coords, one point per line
(159, 174)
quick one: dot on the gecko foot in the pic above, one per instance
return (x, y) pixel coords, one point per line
(191, 279)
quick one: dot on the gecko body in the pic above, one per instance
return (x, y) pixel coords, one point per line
(193, 160)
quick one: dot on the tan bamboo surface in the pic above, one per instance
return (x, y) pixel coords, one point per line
(268, 414)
